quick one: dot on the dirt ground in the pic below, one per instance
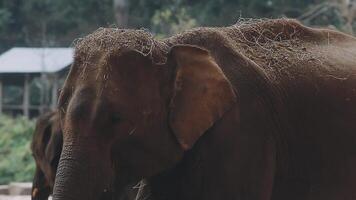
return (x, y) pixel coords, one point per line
(6, 197)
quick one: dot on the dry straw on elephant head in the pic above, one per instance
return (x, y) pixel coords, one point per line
(107, 40)
(275, 47)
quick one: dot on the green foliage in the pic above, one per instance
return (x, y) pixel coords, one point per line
(58, 23)
(225, 12)
(166, 17)
(4, 17)
(16, 162)
(168, 21)
(50, 23)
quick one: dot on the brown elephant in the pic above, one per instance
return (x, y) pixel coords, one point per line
(261, 110)
(46, 149)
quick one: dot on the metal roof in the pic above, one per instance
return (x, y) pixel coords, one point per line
(35, 60)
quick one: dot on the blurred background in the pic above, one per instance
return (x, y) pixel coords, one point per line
(36, 39)
(50, 23)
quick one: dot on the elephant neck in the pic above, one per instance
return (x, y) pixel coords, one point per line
(183, 181)
(230, 161)
(199, 174)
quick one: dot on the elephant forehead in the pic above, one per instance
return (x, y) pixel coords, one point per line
(101, 67)
(129, 88)
(106, 39)
(98, 98)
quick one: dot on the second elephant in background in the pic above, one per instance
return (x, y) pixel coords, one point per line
(46, 149)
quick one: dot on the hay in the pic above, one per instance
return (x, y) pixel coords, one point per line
(280, 47)
(143, 192)
(108, 40)
(277, 46)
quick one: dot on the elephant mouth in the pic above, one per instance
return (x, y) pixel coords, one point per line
(137, 191)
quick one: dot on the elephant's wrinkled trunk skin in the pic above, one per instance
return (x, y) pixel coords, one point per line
(82, 174)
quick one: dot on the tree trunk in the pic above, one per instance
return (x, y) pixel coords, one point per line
(121, 10)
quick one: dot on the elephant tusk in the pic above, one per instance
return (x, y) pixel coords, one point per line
(34, 192)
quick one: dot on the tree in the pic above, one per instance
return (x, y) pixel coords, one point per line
(50, 23)
(121, 9)
(57, 23)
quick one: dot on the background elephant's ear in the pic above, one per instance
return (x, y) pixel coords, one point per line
(42, 134)
(202, 94)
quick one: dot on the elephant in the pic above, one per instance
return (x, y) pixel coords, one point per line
(260, 110)
(46, 148)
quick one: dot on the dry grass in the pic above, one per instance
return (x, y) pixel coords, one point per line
(280, 47)
(275, 45)
(108, 40)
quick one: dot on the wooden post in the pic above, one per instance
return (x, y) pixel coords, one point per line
(26, 96)
(121, 11)
(54, 91)
(1, 98)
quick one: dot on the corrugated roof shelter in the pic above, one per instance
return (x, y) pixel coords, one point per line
(35, 60)
(30, 78)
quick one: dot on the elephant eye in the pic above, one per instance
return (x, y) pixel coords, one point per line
(115, 118)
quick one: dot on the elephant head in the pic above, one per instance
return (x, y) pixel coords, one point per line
(46, 149)
(126, 117)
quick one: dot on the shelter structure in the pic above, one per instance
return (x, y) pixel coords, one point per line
(30, 79)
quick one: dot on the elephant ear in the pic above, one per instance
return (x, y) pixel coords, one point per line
(42, 135)
(202, 94)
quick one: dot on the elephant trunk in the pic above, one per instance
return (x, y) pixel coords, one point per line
(83, 173)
